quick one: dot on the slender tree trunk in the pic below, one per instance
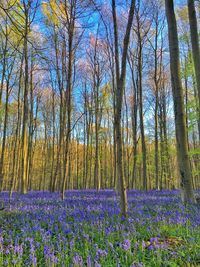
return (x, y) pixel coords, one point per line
(134, 119)
(120, 81)
(156, 161)
(96, 167)
(144, 151)
(4, 139)
(53, 142)
(68, 101)
(25, 111)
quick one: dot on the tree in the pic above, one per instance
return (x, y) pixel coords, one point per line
(177, 90)
(195, 46)
(120, 85)
(195, 41)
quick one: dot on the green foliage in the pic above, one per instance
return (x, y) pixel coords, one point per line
(192, 114)
(188, 68)
(194, 152)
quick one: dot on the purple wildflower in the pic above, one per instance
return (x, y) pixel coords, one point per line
(96, 264)
(101, 253)
(137, 264)
(89, 261)
(126, 244)
(18, 249)
(78, 261)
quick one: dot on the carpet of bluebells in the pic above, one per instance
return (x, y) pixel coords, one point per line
(86, 229)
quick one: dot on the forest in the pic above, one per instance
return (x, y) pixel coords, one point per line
(99, 133)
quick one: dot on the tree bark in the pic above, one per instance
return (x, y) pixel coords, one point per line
(120, 82)
(177, 90)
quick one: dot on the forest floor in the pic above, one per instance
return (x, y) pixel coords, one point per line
(38, 229)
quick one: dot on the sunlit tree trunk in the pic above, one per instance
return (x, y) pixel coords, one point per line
(134, 118)
(25, 106)
(141, 114)
(156, 159)
(120, 85)
(68, 95)
(53, 142)
(3, 148)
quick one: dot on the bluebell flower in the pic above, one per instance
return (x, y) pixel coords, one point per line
(101, 253)
(78, 261)
(89, 261)
(96, 264)
(126, 245)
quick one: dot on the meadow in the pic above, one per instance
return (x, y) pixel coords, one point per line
(86, 229)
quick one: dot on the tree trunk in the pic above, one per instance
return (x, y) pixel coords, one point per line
(69, 103)
(120, 81)
(4, 138)
(144, 151)
(25, 111)
(181, 134)
(195, 43)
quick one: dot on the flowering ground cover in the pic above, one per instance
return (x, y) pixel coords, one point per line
(38, 229)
